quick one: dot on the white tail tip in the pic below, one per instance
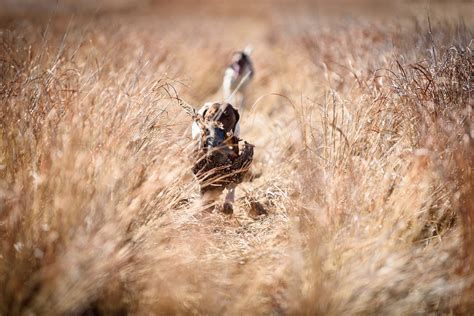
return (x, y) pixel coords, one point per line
(248, 50)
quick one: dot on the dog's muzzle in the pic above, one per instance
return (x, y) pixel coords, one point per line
(215, 144)
(215, 137)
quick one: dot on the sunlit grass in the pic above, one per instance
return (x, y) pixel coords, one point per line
(363, 161)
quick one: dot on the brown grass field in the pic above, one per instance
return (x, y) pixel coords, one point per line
(362, 118)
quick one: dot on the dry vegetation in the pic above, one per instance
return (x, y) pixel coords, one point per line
(363, 130)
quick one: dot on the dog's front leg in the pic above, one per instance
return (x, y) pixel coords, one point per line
(228, 206)
(209, 199)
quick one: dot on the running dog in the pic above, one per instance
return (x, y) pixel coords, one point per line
(220, 166)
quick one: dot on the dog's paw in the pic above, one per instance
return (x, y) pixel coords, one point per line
(256, 210)
(227, 208)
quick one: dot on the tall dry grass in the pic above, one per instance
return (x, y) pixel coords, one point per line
(364, 152)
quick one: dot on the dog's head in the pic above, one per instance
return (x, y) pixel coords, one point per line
(219, 123)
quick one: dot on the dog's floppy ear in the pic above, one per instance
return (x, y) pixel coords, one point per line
(203, 110)
(237, 117)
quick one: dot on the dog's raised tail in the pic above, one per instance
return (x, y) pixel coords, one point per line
(248, 50)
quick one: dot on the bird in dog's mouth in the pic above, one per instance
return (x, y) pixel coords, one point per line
(218, 143)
